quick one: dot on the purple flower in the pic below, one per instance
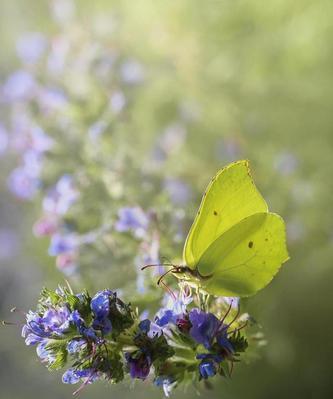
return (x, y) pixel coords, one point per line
(204, 327)
(139, 364)
(164, 317)
(45, 226)
(178, 191)
(100, 305)
(39, 141)
(132, 72)
(222, 339)
(117, 101)
(22, 185)
(132, 219)
(67, 262)
(80, 324)
(44, 354)
(61, 197)
(144, 326)
(62, 244)
(72, 376)
(166, 382)
(30, 47)
(51, 100)
(207, 368)
(54, 322)
(19, 86)
(76, 345)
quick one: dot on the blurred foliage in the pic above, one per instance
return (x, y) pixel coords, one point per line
(254, 81)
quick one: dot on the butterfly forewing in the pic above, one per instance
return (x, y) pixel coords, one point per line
(244, 259)
(230, 197)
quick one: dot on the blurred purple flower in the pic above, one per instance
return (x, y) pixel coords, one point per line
(22, 185)
(172, 138)
(46, 226)
(61, 197)
(51, 100)
(39, 141)
(117, 101)
(132, 219)
(31, 46)
(19, 86)
(179, 191)
(62, 243)
(97, 129)
(132, 72)
(67, 263)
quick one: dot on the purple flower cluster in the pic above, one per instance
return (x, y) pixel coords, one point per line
(104, 339)
(25, 180)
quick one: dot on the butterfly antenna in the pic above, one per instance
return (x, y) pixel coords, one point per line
(163, 275)
(169, 290)
(157, 265)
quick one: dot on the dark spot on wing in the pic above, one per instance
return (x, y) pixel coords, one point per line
(266, 239)
(215, 213)
(250, 244)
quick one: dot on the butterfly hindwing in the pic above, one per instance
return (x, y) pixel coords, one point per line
(230, 197)
(244, 259)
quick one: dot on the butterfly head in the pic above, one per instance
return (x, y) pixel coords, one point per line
(182, 272)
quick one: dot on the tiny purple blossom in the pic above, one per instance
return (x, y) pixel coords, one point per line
(19, 86)
(72, 376)
(61, 197)
(100, 305)
(22, 185)
(178, 191)
(31, 46)
(132, 219)
(76, 345)
(62, 243)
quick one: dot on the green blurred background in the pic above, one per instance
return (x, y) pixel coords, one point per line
(257, 76)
